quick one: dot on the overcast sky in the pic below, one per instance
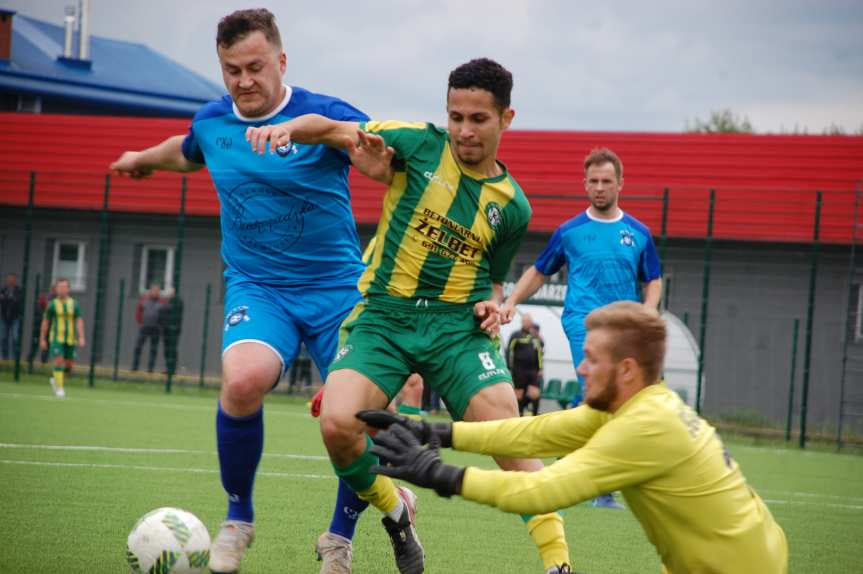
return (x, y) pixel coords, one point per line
(633, 66)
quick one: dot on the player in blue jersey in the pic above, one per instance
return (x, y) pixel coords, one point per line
(609, 255)
(290, 246)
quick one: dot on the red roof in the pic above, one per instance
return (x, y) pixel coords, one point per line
(764, 184)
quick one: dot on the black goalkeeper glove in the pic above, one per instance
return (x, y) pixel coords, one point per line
(434, 434)
(408, 460)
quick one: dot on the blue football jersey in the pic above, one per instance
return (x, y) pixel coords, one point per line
(607, 261)
(286, 218)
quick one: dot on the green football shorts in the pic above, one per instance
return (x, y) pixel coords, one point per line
(388, 338)
(68, 352)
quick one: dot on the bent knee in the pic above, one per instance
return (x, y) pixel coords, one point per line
(246, 388)
(340, 429)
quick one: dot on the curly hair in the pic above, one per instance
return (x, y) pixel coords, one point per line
(484, 74)
(238, 25)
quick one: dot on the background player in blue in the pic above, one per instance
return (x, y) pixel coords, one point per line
(289, 243)
(609, 255)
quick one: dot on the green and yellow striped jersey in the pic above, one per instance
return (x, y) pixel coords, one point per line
(61, 315)
(445, 233)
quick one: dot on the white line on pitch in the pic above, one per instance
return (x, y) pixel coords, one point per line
(807, 503)
(89, 448)
(73, 399)
(294, 475)
(811, 494)
(156, 468)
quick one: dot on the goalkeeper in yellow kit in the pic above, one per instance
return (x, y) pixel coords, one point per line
(633, 435)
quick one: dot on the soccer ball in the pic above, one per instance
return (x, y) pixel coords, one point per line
(168, 541)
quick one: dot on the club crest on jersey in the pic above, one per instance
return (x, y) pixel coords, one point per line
(343, 352)
(284, 150)
(236, 316)
(626, 237)
(492, 213)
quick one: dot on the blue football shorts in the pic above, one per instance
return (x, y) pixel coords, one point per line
(283, 317)
(575, 333)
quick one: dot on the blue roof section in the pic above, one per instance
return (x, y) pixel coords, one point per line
(121, 74)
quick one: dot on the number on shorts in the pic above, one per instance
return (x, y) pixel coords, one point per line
(487, 361)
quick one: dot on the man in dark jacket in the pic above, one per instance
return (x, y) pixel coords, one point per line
(147, 316)
(170, 322)
(11, 310)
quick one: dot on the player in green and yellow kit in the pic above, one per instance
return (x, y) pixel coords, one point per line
(61, 331)
(633, 434)
(452, 220)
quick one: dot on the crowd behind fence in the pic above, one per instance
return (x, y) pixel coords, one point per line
(813, 230)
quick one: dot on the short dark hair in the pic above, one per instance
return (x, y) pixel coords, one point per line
(601, 156)
(484, 74)
(238, 25)
(62, 280)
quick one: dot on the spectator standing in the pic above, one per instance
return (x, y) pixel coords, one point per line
(39, 307)
(524, 358)
(147, 316)
(170, 323)
(11, 310)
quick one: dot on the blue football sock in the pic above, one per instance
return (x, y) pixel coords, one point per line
(240, 443)
(347, 511)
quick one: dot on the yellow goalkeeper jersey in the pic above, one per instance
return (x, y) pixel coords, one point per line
(674, 472)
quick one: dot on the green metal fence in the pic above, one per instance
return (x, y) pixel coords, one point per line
(697, 288)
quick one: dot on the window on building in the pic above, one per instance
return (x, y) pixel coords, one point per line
(69, 263)
(29, 104)
(157, 266)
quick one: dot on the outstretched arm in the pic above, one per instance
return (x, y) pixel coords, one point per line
(562, 484)
(369, 153)
(652, 293)
(305, 129)
(630, 453)
(167, 156)
(372, 157)
(527, 285)
(568, 481)
(552, 434)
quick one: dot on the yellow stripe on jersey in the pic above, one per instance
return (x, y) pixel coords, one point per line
(370, 250)
(463, 277)
(374, 126)
(437, 197)
(60, 313)
(373, 259)
(379, 126)
(63, 322)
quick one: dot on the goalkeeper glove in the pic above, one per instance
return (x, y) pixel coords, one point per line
(434, 434)
(407, 459)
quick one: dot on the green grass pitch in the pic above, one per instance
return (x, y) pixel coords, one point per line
(76, 474)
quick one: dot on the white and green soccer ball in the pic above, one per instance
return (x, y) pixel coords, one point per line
(168, 541)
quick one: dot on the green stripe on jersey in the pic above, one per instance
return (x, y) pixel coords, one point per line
(443, 226)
